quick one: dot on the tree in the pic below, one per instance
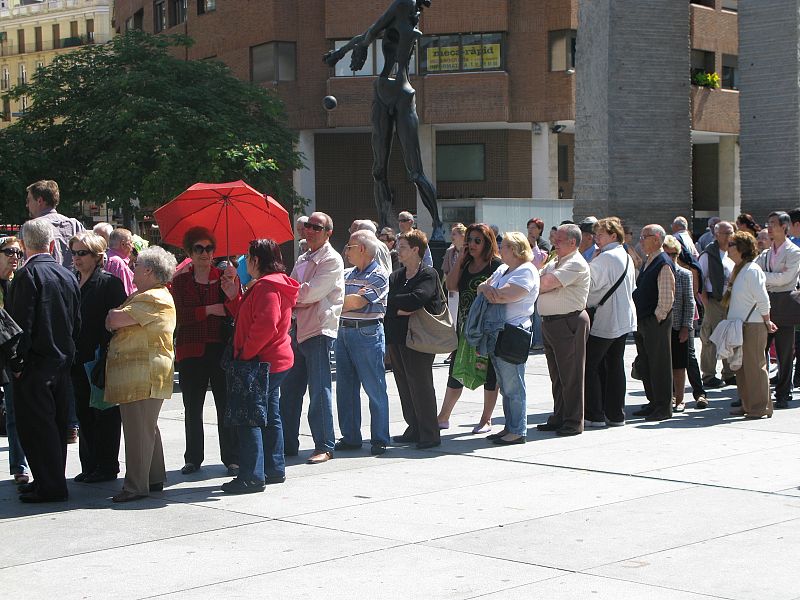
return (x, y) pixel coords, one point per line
(127, 121)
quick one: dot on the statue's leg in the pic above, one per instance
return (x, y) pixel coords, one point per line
(407, 123)
(382, 133)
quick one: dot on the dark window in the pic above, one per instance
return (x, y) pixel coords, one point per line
(90, 31)
(160, 15)
(178, 10)
(21, 40)
(730, 69)
(460, 162)
(372, 66)
(206, 6)
(562, 45)
(73, 29)
(274, 61)
(37, 37)
(461, 52)
(702, 62)
(56, 37)
(6, 109)
(563, 163)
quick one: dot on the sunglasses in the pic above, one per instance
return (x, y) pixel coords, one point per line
(12, 252)
(199, 248)
(82, 253)
(314, 226)
(475, 240)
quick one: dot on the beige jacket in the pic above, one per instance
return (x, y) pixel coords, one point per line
(319, 305)
(782, 277)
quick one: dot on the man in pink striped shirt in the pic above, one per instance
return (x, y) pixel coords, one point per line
(120, 245)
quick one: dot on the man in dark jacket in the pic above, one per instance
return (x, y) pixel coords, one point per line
(45, 301)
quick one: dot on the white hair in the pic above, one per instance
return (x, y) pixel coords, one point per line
(36, 235)
(161, 262)
(404, 214)
(103, 230)
(712, 221)
(364, 225)
(573, 232)
(656, 230)
(681, 222)
(366, 238)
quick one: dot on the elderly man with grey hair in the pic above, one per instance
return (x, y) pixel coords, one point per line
(103, 230)
(680, 231)
(382, 254)
(120, 247)
(563, 290)
(361, 346)
(704, 240)
(45, 301)
(654, 296)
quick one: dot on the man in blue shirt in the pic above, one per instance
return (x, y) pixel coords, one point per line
(588, 248)
(360, 346)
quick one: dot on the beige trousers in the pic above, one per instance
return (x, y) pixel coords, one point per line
(714, 313)
(752, 380)
(144, 456)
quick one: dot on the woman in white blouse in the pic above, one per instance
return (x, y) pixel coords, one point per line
(747, 301)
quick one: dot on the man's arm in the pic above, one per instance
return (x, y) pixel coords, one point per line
(548, 283)
(22, 301)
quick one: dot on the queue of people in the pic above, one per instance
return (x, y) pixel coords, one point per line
(106, 334)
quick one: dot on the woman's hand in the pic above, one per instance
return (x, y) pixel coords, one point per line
(217, 310)
(230, 285)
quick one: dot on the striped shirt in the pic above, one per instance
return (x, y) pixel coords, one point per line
(372, 284)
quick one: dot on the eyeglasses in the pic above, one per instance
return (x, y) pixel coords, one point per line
(405, 220)
(199, 248)
(315, 227)
(12, 252)
(80, 253)
(646, 235)
(475, 240)
(351, 246)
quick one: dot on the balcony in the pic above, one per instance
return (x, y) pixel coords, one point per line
(715, 110)
(47, 45)
(49, 6)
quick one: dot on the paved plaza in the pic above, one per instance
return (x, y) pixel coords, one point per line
(701, 506)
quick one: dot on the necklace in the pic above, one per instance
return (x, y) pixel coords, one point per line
(410, 277)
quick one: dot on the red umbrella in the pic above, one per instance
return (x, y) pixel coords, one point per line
(234, 212)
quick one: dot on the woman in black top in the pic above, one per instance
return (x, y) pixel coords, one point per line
(474, 266)
(100, 292)
(412, 287)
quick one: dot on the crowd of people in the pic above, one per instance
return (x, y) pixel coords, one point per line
(94, 325)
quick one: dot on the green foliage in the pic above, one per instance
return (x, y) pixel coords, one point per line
(709, 80)
(127, 120)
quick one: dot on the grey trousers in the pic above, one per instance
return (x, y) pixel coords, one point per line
(565, 350)
(714, 313)
(144, 456)
(654, 362)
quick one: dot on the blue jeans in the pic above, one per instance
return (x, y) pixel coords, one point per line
(16, 455)
(511, 379)
(261, 448)
(359, 362)
(312, 371)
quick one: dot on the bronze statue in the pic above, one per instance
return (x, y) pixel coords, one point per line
(394, 106)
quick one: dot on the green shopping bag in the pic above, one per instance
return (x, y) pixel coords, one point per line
(96, 394)
(469, 367)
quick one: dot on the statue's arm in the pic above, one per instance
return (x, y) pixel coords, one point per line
(360, 43)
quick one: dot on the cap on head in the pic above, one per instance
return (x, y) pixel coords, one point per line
(587, 225)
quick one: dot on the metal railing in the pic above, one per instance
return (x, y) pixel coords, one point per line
(11, 49)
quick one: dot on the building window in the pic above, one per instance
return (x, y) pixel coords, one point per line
(731, 5)
(6, 109)
(372, 66)
(178, 12)
(461, 52)
(90, 31)
(23, 103)
(562, 46)
(730, 69)
(22, 75)
(206, 6)
(160, 15)
(21, 40)
(73, 29)
(274, 61)
(702, 62)
(56, 37)
(460, 162)
(37, 38)
(5, 81)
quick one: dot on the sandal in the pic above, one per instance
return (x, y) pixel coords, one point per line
(679, 407)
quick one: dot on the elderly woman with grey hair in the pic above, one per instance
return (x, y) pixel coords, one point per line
(139, 370)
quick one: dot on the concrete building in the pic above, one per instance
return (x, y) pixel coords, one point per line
(496, 96)
(33, 32)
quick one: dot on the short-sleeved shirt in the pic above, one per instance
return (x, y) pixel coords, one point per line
(525, 276)
(468, 287)
(374, 280)
(573, 273)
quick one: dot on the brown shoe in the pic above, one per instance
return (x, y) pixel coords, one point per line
(319, 456)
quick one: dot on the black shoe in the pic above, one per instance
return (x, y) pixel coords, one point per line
(233, 470)
(548, 426)
(736, 404)
(405, 439)
(240, 486)
(497, 436)
(643, 412)
(26, 488)
(290, 452)
(658, 416)
(36, 498)
(157, 487)
(730, 380)
(377, 449)
(99, 477)
(713, 383)
(782, 403)
(275, 479)
(342, 445)
(501, 442)
(426, 445)
(564, 432)
(80, 477)
(189, 468)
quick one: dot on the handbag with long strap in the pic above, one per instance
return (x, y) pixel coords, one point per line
(432, 334)
(591, 310)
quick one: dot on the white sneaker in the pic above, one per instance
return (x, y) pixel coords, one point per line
(593, 423)
(615, 423)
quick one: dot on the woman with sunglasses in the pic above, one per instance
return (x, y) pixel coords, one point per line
(479, 260)
(100, 292)
(10, 257)
(200, 308)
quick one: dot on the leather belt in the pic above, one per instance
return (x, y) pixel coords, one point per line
(564, 316)
(359, 322)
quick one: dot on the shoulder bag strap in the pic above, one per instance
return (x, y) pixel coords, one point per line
(618, 283)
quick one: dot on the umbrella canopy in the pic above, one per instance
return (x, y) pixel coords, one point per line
(234, 212)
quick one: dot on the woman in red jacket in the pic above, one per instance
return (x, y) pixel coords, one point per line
(263, 314)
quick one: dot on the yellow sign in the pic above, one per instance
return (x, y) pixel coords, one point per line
(475, 56)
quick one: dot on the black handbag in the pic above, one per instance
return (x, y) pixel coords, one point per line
(247, 383)
(591, 310)
(513, 344)
(98, 374)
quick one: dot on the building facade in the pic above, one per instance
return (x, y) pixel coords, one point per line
(496, 96)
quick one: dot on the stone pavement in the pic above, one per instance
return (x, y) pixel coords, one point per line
(701, 506)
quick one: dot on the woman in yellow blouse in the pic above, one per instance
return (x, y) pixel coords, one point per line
(139, 370)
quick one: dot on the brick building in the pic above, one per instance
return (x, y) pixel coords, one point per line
(496, 96)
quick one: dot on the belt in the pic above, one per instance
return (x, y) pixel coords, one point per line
(564, 316)
(359, 322)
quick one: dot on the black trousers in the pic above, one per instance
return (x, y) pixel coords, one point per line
(784, 349)
(654, 362)
(41, 401)
(604, 395)
(194, 375)
(693, 369)
(100, 430)
(413, 373)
